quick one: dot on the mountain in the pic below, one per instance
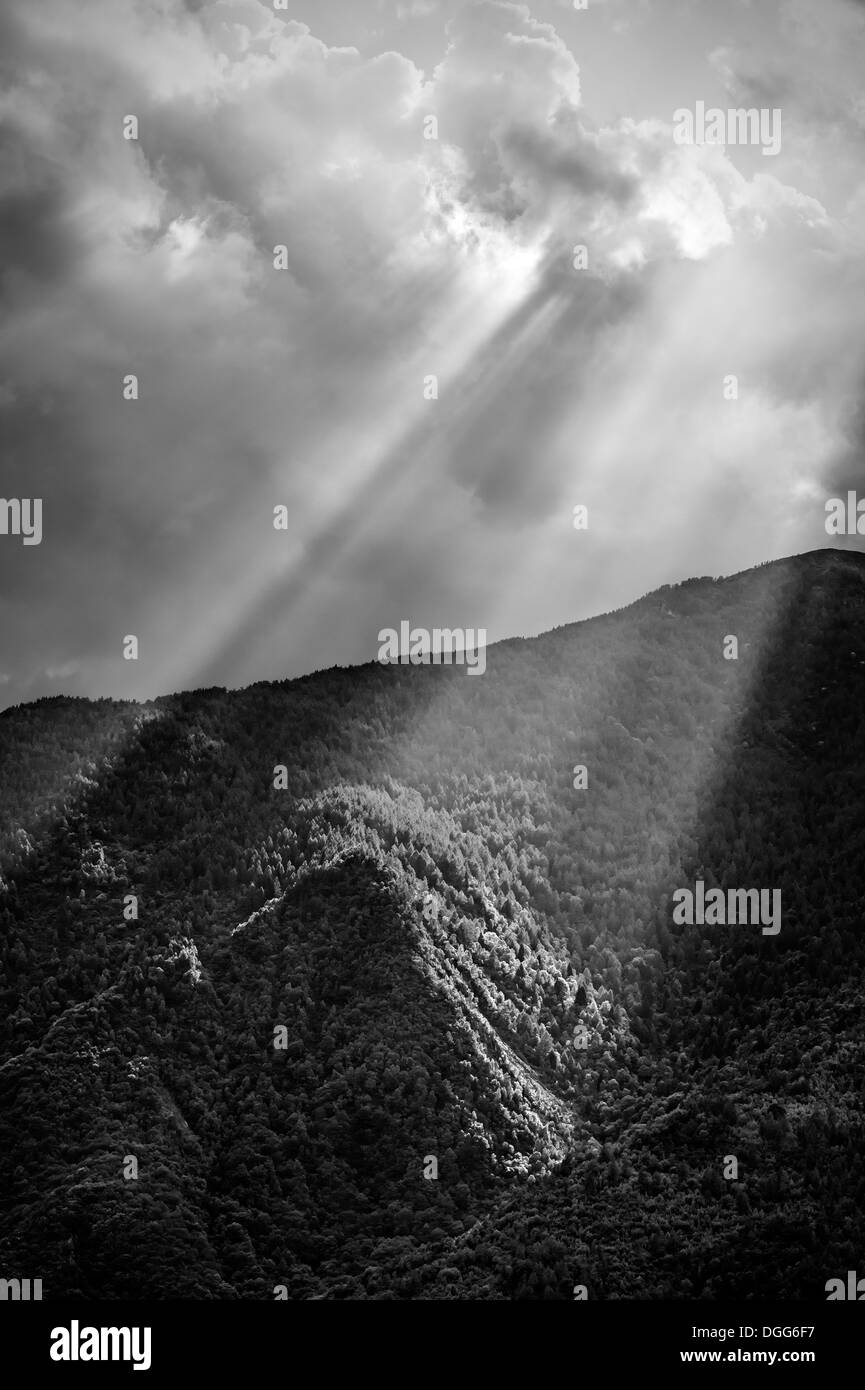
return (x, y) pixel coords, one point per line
(419, 1023)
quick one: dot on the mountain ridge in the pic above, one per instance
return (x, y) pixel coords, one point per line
(474, 961)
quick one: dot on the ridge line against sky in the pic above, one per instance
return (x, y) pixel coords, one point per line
(405, 258)
(501, 641)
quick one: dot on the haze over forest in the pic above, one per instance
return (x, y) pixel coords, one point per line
(432, 946)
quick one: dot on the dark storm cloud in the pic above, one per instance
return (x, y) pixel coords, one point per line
(32, 239)
(566, 156)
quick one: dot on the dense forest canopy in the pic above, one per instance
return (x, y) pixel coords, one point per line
(432, 945)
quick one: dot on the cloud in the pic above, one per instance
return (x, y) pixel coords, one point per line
(565, 154)
(503, 72)
(66, 668)
(415, 9)
(406, 257)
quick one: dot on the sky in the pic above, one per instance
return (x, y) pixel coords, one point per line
(307, 388)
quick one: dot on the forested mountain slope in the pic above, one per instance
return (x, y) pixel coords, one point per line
(431, 945)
